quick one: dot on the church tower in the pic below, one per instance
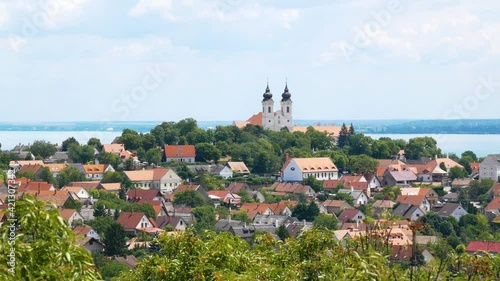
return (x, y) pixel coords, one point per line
(286, 109)
(268, 109)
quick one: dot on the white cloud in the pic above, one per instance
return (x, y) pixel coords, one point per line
(164, 7)
(4, 15)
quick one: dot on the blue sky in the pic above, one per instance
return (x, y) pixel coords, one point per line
(210, 59)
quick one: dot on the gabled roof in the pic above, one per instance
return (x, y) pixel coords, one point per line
(495, 189)
(448, 209)
(449, 163)
(129, 220)
(387, 204)
(82, 230)
(316, 164)
(415, 191)
(489, 247)
(414, 200)
(185, 187)
(461, 182)
(406, 210)
(86, 184)
(492, 159)
(147, 175)
(67, 213)
(111, 186)
(335, 203)
(238, 167)
(26, 162)
(288, 187)
(115, 148)
(141, 195)
(403, 175)
(163, 221)
(58, 197)
(256, 119)
(56, 168)
(493, 205)
(349, 214)
(180, 151)
(30, 168)
(94, 169)
(236, 187)
(330, 184)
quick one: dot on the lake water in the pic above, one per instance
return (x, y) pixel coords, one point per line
(482, 145)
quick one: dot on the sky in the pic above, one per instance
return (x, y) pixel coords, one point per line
(159, 60)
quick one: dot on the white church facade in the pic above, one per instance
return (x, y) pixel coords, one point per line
(282, 118)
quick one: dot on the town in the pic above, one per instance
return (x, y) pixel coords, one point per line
(259, 178)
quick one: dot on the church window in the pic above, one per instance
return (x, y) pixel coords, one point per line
(269, 121)
(287, 109)
(269, 109)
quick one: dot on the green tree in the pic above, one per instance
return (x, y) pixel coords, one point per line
(42, 149)
(346, 197)
(470, 154)
(68, 175)
(112, 177)
(326, 222)
(315, 184)
(69, 141)
(205, 218)
(46, 175)
(362, 164)
(100, 211)
(456, 172)
(95, 142)
(282, 233)
(242, 215)
(114, 240)
(207, 152)
(109, 158)
(343, 139)
(422, 147)
(81, 154)
(101, 224)
(37, 257)
(153, 156)
(190, 198)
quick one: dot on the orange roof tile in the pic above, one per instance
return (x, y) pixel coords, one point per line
(179, 151)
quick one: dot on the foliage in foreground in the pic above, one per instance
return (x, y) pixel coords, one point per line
(45, 247)
(315, 255)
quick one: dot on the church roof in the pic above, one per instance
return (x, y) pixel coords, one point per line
(286, 94)
(267, 95)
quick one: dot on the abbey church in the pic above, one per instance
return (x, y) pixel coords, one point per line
(273, 120)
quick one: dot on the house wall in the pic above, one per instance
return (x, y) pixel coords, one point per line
(144, 223)
(425, 177)
(181, 159)
(417, 214)
(226, 173)
(292, 172)
(169, 182)
(489, 172)
(94, 176)
(93, 246)
(458, 213)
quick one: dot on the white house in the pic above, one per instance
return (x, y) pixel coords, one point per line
(162, 179)
(86, 231)
(452, 210)
(78, 193)
(134, 221)
(359, 196)
(180, 153)
(297, 169)
(96, 171)
(490, 167)
(71, 216)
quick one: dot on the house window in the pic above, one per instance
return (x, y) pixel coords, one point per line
(91, 242)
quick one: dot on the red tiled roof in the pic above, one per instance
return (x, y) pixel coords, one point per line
(288, 187)
(493, 205)
(330, 184)
(236, 187)
(348, 214)
(490, 247)
(141, 195)
(86, 184)
(414, 200)
(129, 220)
(179, 151)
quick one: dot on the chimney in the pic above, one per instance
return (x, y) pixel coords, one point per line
(229, 218)
(277, 223)
(287, 156)
(357, 224)
(304, 222)
(352, 188)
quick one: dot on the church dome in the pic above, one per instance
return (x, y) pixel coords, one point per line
(267, 95)
(286, 94)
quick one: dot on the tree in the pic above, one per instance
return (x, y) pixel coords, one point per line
(314, 183)
(362, 164)
(42, 149)
(207, 152)
(81, 154)
(46, 175)
(112, 177)
(326, 222)
(469, 154)
(68, 175)
(69, 141)
(37, 256)
(100, 211)
(115, 240)
(422, 147)
(345, 197)
(109, 158)
(205, 218)
(96, 143)
(351, 130)
(190, 198)
(456, 173)
(101, 224)
(242, 216)
(153, 156)
(443, 167)
(306, 212)
(343, 139)
(282, 233)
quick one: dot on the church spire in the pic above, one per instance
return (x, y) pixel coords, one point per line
(267, 95)
(286, 94)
